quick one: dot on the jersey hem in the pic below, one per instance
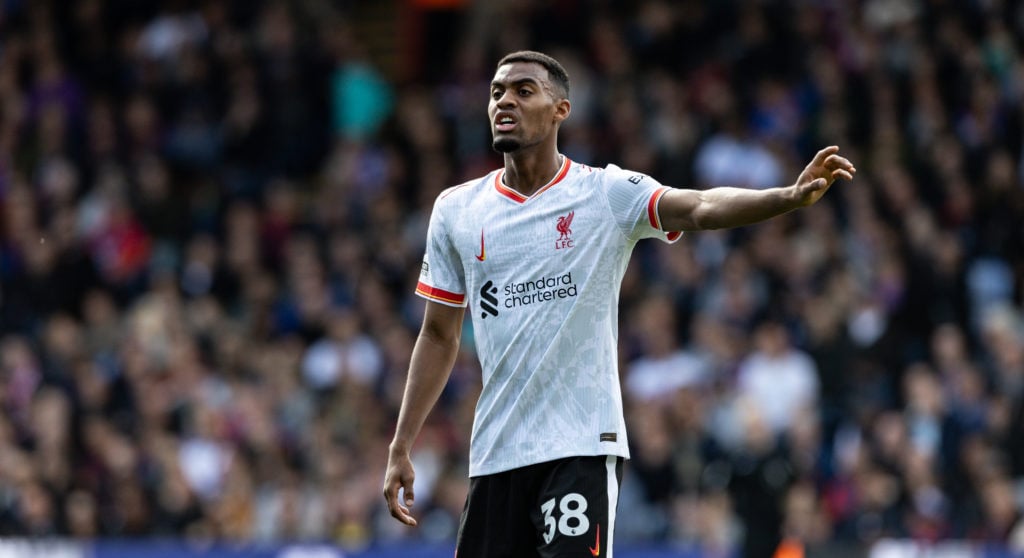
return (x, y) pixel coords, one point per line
(618, 450)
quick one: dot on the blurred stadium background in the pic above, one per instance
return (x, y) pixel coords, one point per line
(212, 216)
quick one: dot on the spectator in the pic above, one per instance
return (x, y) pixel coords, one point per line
(209, 224)
(776, 381)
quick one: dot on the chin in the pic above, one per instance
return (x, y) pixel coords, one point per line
(506, 145)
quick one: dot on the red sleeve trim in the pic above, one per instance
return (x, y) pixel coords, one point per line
(652, 207)
(440, 295)
(655, 219)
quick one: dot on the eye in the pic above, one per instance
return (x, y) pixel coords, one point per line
(495, 94)
(524, 92)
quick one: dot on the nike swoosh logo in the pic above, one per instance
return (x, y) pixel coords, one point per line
(483, 253)
(596, 549)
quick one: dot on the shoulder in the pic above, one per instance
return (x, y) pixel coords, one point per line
(461, 194)
(614, 174)
(608, 175)
(582, 172)
(616, 182)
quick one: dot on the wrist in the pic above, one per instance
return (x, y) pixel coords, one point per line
(399, 447)
(794, 196)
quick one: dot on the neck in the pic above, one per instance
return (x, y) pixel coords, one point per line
(527, 172)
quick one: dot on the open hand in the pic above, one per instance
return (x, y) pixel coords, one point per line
(821, 172)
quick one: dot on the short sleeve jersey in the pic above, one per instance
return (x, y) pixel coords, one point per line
(541, 277)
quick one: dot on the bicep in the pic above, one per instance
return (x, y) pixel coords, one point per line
(678, 209)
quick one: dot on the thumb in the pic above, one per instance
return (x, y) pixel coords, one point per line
(811, 191)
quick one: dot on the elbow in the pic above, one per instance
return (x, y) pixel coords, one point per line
(702, 225)
(441, 336)
(701, 220)
(689, 223)
(697, 213)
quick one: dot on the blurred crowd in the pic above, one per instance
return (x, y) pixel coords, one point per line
(212, 217)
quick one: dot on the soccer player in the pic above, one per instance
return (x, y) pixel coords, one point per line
(537, 250)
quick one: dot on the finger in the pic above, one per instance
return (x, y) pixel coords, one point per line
(410, 497)
(834, 162)
(820, 157)
(817, 184)
(398, 511)
(391, 496)
(840, 173)
(402, 514)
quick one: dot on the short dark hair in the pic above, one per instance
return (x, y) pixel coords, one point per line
(559, 77)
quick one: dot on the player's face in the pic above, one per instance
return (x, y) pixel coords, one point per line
(524, 107)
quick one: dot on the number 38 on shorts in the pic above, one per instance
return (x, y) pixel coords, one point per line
(570, 519)
(568, 504)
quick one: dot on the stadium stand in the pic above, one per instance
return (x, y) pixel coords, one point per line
(211, 222)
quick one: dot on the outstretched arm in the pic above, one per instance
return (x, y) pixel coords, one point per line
(724, 207)
(432, 359)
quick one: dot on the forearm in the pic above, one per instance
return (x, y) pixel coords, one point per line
(429, 369)
(719, 208)
(724, 207)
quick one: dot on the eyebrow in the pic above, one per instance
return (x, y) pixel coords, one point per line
(520, 81)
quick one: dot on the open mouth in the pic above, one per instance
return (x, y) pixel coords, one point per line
(504, 123)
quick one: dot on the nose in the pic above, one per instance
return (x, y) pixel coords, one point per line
(505, 100)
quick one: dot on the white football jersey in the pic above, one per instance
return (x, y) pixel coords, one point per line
(541, 277)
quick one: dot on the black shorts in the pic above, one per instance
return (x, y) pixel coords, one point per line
(563, 508)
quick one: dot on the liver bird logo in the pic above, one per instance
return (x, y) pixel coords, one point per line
(564, 226)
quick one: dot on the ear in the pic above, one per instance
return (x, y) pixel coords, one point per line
(562, 110)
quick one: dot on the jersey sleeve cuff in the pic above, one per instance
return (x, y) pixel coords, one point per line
(440, 295)
(652, 215)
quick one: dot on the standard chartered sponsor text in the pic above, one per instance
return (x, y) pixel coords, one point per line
(542, 289)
